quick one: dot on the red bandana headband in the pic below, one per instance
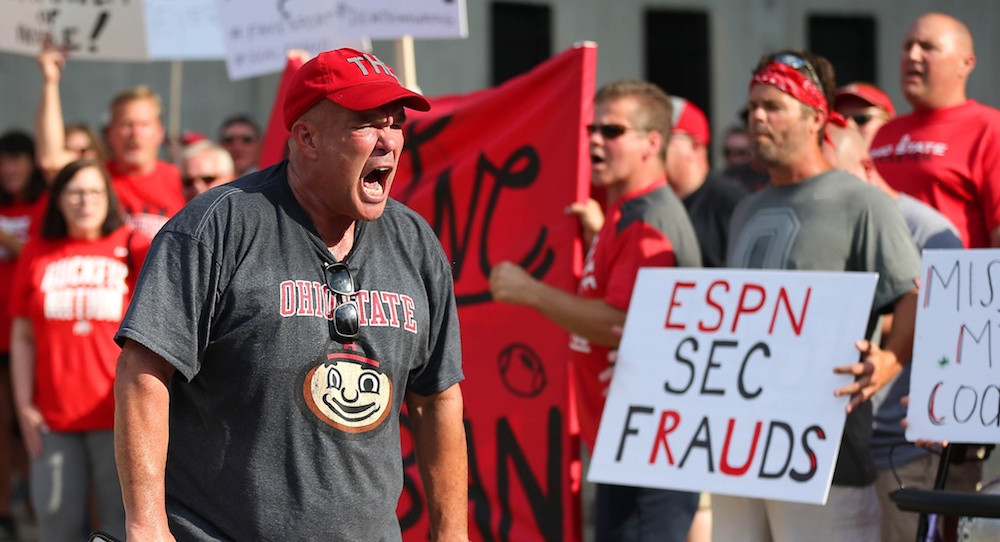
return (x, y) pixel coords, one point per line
(798, 86)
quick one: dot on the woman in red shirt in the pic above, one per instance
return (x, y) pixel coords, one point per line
(22, 201)
(71, 287)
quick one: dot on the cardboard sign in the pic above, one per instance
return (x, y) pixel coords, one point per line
(724, 382)
(258, 33)
(955, 378)
(393, 19)
(89, 29)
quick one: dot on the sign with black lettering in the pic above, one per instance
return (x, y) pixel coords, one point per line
(955, 379)
(89, 29)
(724, 382)
(393, 19)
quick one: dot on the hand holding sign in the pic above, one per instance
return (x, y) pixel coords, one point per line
(724, 378)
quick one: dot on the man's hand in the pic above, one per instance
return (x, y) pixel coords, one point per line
(876, 368)
(509, 283)
(51, 61)
(591, 218)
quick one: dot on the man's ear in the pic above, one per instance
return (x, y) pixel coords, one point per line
(968, 64)
(656, 142)
(303, 137)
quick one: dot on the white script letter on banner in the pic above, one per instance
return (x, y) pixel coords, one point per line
(955, 379)
(724, 382)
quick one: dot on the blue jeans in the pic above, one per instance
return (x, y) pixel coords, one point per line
(638, 514)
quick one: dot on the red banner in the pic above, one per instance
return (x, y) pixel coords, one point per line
(492, 172)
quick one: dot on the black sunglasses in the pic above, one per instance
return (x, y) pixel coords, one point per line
(797, 62)
(862, 118)
(233, 138)
(345, 324)
(608, 131)
(207, 179)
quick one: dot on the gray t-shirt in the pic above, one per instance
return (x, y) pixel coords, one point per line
(276, 432)
(929, 229)
(830, 222)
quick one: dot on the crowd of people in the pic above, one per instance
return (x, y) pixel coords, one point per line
(113, 384)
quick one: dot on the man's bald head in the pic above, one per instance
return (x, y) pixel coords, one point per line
(938, 56)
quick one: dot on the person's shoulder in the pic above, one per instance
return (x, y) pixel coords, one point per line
(725, 186)
(398, 215)
(166, 169)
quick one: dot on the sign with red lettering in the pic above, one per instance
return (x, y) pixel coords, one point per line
(724, 382)
(955, 379)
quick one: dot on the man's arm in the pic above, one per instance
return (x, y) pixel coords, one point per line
(50, 132)
(878, 366)
(442, 458)
(142, 403)
(592, 319)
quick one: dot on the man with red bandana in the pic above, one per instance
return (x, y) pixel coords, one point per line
(945, 153)
(646, 226)
(814, 217)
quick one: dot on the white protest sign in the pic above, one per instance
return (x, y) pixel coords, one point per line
(955, 378)
(89, 29)
(258, 33)
(184, 30)
(393, 19)
(724, 382)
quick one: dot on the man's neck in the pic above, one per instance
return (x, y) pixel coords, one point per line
(689, 183)
(617, 191)
(337, 231)
(954, 100)
(128, 168)
(808, 166)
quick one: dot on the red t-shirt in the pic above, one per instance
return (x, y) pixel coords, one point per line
(609, 274)
(950, 159)
(148, 201)
(74, 293)
(20, 220)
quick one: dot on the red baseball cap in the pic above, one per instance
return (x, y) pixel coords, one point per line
(350, 78)
(867, 93)
(689, 119)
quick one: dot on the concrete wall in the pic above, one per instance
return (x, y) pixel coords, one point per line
(741, 31)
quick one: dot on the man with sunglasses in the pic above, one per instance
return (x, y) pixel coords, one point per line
(240, 136)
(646, 226)
(813, 217)
(205, 165)
(945, 153)
(285, 319)
(866, 106)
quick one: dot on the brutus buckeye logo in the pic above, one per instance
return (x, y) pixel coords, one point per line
(348, 392)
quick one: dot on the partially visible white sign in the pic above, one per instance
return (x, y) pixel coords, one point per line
(258, 33)
(724, 382)
(184, 30)
(89, 29)
(955, 379)
(393, 19)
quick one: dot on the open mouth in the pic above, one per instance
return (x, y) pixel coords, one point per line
(374, 182)
(596, 159)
